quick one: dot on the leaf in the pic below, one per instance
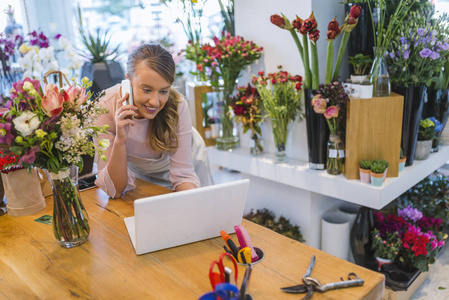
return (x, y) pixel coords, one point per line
(442, 288)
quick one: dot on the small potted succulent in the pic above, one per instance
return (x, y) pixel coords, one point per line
(385, 248)
(385, 163)
(426, 134)
(377, 172)
(364, 168)
(402, 159)
(366, 90)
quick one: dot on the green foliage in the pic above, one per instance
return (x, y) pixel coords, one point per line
(401, 155)
(430, 196)
(365, 164)
(426, 130)
(378, 167)
(360, 63)
(266, 218)
(387, 247)
(96, 45)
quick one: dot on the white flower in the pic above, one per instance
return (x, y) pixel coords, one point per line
(26, 123)
(104, 144)
(64, 43)
(47, 54)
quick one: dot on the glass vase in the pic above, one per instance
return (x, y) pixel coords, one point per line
(255, 143)
(378, 75)
(228, 138)
(70, 222)
(335, 155)
(280, 134)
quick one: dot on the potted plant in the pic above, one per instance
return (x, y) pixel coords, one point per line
(365, 167)
(360, 63)
(101, 67)
(402, 159)
(366, 90)
(426, 133)
(386, 248)
(377, 173)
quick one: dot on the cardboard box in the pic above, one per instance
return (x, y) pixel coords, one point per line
(405, 295)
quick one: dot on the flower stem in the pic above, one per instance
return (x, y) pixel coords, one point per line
(341, 52)
(307, 75)
(298, 43)
(329, 62)
(315, 68)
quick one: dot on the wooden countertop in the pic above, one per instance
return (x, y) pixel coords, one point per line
(34, 266)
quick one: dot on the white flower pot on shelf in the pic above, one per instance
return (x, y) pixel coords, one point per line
(355, 90)
(366, 91)
(358, 78)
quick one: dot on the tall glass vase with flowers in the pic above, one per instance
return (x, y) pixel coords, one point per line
(226, 59)
(247, 107)
(51, 129)
(308, 29)
(281, 95)
(331, 102)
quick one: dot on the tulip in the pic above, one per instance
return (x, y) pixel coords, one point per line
(52, 102)
(76, 96)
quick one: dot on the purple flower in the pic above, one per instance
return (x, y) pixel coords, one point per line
(403, 40)
(391, 54)
(434, 55)
(421, 31)
(410, 213)
(6, 137)
(425, 52)
(445, 46)
(406, 54)
(57, 36)
(30, 157)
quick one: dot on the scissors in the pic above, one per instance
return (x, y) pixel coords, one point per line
(224, 272)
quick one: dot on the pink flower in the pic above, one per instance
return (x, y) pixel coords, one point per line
(331, 112)
(75, 96)
(319, 104)
(52, 101)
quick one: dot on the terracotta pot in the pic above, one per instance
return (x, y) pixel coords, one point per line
(377, 178)
(402, 163)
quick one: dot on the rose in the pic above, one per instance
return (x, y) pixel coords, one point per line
(331, 112)
(319, 104)
(355, 12)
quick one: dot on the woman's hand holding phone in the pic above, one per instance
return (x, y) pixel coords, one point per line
(125, 114)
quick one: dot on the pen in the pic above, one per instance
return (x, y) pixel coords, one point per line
(230, 243)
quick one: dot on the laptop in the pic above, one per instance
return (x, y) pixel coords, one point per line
(180, 218)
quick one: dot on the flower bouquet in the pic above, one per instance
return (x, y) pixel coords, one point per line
(421, 236)
(281, 95)
(226, 60)
(51, 129)
(247, 108)
(331, 102)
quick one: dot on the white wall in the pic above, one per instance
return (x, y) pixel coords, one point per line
(252, 19)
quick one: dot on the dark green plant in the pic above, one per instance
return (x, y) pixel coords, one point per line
(283, 226)
(360, 63)
(96, 45)
(378, 167)
(401, 155)
(365, 164)
(387, 247)
(430, 196)
(383, 162)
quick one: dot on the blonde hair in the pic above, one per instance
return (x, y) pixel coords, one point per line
(162, 130)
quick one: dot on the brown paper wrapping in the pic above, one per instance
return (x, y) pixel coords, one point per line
(23, 192)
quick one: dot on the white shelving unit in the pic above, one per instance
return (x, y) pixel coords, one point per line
(297, 174)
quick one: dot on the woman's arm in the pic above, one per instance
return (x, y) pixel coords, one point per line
(185, 186)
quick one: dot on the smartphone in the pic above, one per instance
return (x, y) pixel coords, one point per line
(127, 88)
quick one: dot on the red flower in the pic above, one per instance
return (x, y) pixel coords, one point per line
(331, 35)
(239, 110)
(355, 12)
(308, 25)
(278, 21)
(314, 36)
(297, 23)
(333, 25)
(352, 21)
(261, 73)
(298, 86)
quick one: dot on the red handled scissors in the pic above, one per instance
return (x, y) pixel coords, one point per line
(221, 276)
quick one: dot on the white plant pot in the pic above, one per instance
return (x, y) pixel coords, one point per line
(358, 78)
(366, 91)
(355, 91)
(348, 87)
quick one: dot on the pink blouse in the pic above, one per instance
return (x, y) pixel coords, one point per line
(137, 147)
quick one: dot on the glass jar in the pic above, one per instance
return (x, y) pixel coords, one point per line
(335, 155)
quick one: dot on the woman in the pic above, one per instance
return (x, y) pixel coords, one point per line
(152, 138)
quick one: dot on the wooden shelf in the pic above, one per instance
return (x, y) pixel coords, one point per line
(297, 174)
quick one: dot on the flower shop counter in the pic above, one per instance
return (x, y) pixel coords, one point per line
(33, 265)
(303, 195)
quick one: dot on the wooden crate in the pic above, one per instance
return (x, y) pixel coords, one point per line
(195, 95)
(373, 131)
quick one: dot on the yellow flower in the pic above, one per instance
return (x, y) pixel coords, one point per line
(194, 1)
(40, 133)
(24, 48)
(85, 80)
(19, 139)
